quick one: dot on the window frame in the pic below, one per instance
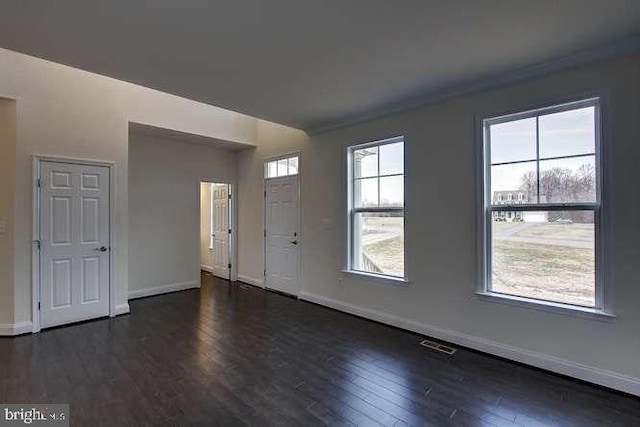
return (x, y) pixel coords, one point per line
(352, 211)
(287, 157)
(486, 209)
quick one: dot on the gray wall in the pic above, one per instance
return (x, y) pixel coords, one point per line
(7, 187)
(441, 225)
(164, 207)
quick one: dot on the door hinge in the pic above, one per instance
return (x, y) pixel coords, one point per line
(265, 272)
(229, 231)
(39, 305)
(39, 243)
(39, 183)
(229, 196)
(229, 266)
(265, 233)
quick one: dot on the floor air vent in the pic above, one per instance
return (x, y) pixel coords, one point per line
(438, 347)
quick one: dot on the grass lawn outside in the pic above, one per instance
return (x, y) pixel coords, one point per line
(554, 272)
(557, 231)
(548, 261)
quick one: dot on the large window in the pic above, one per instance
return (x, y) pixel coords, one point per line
(376, 208)
(542, 204)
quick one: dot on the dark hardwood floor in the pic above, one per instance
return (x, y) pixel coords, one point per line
(237, 355)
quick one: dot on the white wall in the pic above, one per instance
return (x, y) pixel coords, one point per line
(164, 209)
(441, 224)
(63, 111)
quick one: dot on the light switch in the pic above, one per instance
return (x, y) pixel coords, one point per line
(3, 227)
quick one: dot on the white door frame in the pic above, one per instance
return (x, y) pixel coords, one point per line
(35, 231)
(264, 219)
(233, 250)
(231, 207)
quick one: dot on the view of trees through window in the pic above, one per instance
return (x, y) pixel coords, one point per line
(543, 200)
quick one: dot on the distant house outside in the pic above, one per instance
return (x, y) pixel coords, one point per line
(515, 197)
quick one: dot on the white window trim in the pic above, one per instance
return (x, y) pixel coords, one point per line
(601, 310)
(349, 270)
(287, 156)
(377, 278)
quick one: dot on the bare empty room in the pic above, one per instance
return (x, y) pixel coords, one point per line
(320, 213)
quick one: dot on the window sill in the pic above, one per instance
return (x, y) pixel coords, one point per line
(553, 307)
(377, 278)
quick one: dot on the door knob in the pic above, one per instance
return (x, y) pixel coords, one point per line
(294, 242)
(101, 249)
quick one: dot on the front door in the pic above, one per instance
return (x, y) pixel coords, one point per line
(220, 229)
(75, 247)
(282, 234)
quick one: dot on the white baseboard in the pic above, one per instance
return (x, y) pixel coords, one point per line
(250, 281)
(561, 366)
(13, 329)
(158, 290)
(206, 268)
(121, 309)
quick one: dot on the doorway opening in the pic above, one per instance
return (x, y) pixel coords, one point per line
(216, 229)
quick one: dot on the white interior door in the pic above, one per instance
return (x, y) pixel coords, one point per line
(220, 230)
(74, 235)
(281, 234)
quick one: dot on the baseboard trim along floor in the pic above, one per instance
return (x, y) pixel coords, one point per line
(13, 329)
(550, 363)
(164, 289)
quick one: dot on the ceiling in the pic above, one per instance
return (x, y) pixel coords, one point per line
(310, 64)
